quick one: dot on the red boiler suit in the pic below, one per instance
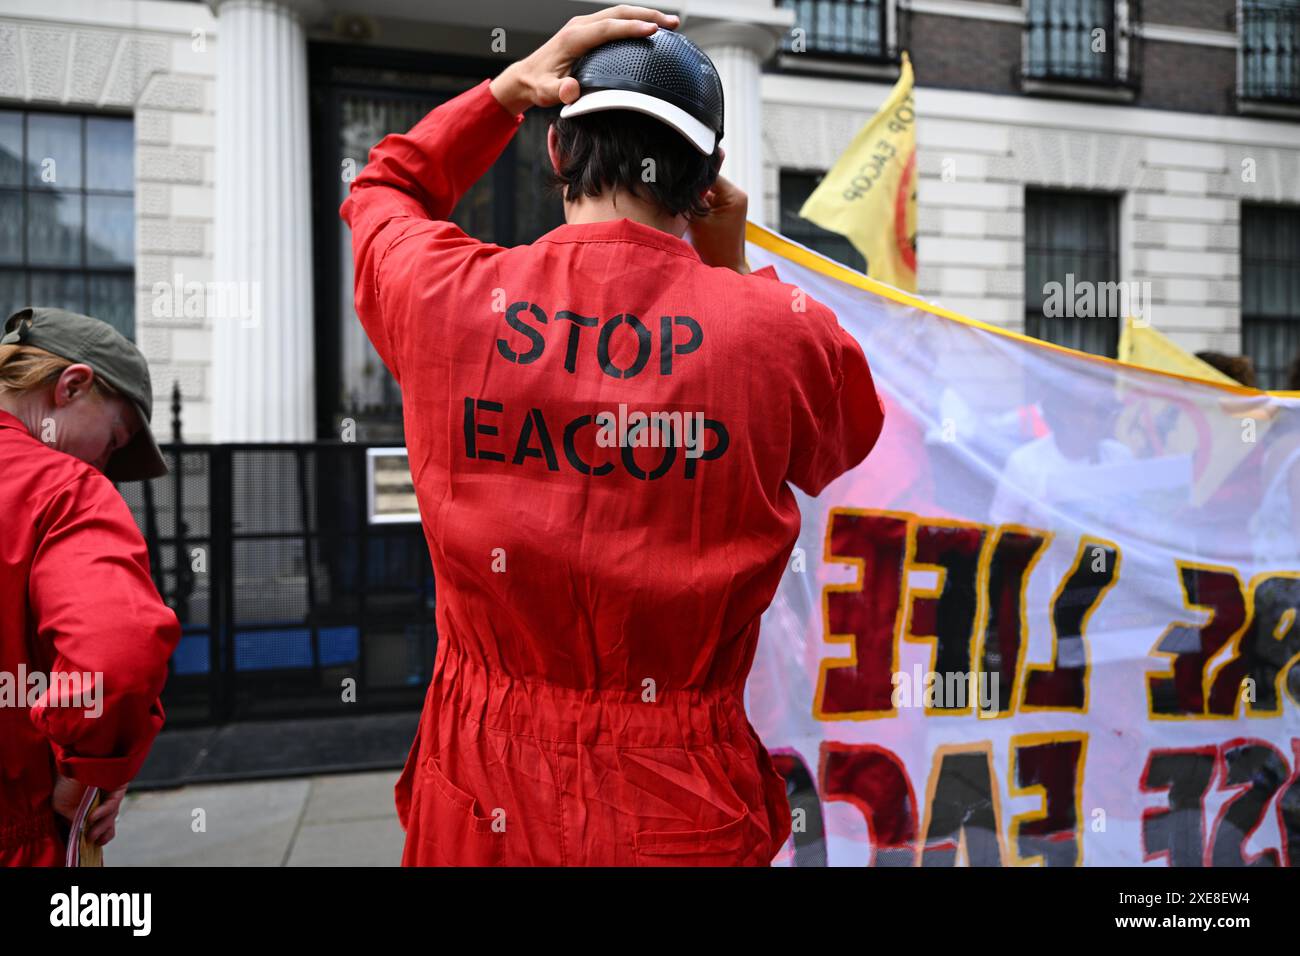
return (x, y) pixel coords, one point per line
(598, 600)
(75, 597)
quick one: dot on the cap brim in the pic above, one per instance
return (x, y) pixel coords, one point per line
(699, 135)
(140, 459)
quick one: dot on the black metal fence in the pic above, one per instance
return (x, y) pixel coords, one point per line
(291, 602)
(1270, 52)
(1090, 42)
(841, 29)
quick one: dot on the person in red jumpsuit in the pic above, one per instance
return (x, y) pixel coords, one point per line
(84, 636)
(600, 575)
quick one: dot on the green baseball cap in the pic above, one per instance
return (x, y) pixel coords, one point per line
(83, 340)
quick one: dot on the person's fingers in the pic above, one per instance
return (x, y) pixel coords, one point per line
(568, 90)
(103, 834)
(587, 36)
(627, 11)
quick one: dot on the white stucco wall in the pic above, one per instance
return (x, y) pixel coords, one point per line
(1180, 175)
(138, 56)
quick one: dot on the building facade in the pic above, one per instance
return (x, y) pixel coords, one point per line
(176, 167)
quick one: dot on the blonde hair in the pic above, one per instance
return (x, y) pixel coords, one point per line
(25, 368)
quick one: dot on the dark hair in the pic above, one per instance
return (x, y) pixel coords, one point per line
(609, 150)
(1239, 368)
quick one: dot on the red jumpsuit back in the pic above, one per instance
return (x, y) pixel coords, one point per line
(598, 602)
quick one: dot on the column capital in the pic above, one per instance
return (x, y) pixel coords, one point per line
(304, 10)
(762, 38)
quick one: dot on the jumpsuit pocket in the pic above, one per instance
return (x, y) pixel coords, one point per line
(452, 825)
(727, 845)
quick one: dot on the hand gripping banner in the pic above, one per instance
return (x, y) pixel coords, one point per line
(1051, 620)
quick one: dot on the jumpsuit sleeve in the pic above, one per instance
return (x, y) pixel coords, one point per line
(96, 607)
(838, 414)
(410, 185)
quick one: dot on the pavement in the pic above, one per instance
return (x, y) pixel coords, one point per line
(343, 819)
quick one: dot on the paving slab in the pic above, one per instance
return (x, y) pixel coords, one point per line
(242, 824)
(352, 796)
(375, 842)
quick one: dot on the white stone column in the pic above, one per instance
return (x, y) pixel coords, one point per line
(738, 51)
(263, 378)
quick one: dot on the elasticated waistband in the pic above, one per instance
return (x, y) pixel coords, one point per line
(19, 832)
(676, 718)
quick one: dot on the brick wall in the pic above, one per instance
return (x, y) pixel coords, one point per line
(964, 54)
(1167, 67)
(1202, 14)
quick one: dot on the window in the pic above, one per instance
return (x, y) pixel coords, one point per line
(359, 96)
(857, 29)
(1079, 41)
(796, 187)
(67, 215)
(1071, 265)
(1270, 45)
(1270, 290)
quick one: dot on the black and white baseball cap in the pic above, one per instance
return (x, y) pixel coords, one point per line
(663, 75)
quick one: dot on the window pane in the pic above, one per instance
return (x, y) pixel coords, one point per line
(796, 187)
(538, 210)
(110, 230)
(837, 27)
(54, 150)
(1070, 238)
(367, 390)
(11, 226)
(13, 292)
(112, 299)
(59, 290)
(1270, 44)
(1060, 39)
(11, 148)
(1270, 296)
(110, 152)
(54, 229)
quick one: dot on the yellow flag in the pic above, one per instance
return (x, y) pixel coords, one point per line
(869, 195)
(1143, 345)
(1215, 443)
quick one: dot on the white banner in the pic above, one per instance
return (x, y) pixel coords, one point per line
(1051, 620)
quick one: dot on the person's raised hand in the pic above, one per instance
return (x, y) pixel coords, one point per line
(542, 78)
(719, 237)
